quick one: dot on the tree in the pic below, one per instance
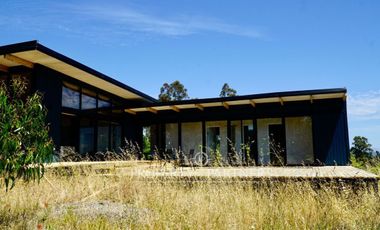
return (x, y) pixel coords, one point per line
(227, 91)
(361, 149)
(24, 141)
(175, 91)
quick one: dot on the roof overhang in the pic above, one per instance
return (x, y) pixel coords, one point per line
(30, 53)
(251, 100)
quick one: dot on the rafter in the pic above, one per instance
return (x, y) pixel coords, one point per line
(18, 60)
(200, 107)
(4, 68)
(150, 109)
(226, 105)
(281, 101)
(252, 102)
(130, 111)
(175, 108)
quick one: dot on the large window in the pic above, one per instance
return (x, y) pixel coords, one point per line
(70, 96)
(103, 136)
(115, 137)
(86, 137)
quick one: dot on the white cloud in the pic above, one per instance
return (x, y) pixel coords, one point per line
(364, 106)
(110, 24)
(128, 19)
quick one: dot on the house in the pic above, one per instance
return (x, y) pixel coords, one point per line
(92, 112)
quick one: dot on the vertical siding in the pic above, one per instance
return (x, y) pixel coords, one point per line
(49, 83)
(330, 132)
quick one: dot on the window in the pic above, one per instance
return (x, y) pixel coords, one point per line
(88, 99)
(103, 136)
(115, 137)
(147, 140)
(86, 140)
(216, 137)
(70, 96)
(103, 102)
(213, 139)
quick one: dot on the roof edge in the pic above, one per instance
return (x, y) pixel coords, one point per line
(251, 96)
(35, 45)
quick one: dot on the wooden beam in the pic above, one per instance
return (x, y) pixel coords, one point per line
(281, 101)
(199, 107)
(311, 99)
(130, 111)
(69, 114)
(150, 109)
(252, 103)
(175, 108)
(226, 105)
(4, 68)
(345, 97)
(18, 60)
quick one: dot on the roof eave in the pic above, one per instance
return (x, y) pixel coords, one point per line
(34, 45)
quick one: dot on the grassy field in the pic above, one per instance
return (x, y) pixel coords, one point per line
(86, 200)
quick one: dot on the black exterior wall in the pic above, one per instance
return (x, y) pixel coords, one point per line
(49, 83)
(330, 132)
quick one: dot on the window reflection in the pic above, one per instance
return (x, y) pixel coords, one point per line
(103, 104)
(116, 137)
(86, 140)
(103, 136)
(70, 98)
(88, 99)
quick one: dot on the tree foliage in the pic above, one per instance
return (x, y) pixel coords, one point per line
(24, 141)
(361, 149)
(227, 91)
(175, 91)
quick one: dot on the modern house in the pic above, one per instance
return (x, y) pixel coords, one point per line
(92, 112)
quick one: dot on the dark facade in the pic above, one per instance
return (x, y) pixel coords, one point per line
(91, 112)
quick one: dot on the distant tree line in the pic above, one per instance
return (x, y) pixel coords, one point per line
(176, 91)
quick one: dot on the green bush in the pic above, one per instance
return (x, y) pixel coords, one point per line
(24, 141)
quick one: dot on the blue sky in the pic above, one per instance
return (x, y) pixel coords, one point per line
(255, 46)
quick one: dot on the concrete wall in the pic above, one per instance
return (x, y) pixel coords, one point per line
(171, 136)
(191, 137)
(299, 140)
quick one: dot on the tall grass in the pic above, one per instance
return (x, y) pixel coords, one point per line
(161, 204)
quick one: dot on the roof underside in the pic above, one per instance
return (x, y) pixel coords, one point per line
(30, 53)
(252, 100)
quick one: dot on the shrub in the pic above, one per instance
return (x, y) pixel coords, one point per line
(24, 141)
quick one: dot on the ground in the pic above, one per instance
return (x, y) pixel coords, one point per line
(110, 197)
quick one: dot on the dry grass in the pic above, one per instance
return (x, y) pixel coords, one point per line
(64, 201)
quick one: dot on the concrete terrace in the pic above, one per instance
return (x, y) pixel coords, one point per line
(156, 169)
